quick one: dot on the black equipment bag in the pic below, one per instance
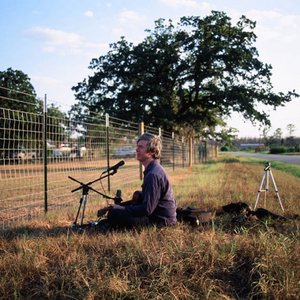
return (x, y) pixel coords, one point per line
(194, 216)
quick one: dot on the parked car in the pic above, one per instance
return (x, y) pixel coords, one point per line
(57, 153)
(78, 152)
(124, 151)
(8, 156)
(65, 148)
(26, 155)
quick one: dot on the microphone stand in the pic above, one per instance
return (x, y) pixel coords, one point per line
(86, 187)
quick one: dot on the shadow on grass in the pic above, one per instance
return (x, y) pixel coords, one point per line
(231, 222)
(33, 232)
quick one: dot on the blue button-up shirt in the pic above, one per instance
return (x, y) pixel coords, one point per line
(158, 198)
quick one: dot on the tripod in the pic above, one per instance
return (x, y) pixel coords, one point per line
(86, 187)
(267, 173)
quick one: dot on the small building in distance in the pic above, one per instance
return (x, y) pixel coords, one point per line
(253, 146)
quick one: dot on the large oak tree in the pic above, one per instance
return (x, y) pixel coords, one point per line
(193, 73)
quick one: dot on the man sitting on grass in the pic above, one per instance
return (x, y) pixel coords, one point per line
(155, 204)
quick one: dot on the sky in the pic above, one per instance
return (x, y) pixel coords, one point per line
(54, 41)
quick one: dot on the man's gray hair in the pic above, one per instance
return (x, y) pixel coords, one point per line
(154, 144)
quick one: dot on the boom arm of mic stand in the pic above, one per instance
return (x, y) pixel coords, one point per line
(111, 173)
(82, 184)
(103, 195)
(91, 182)
(87, 185)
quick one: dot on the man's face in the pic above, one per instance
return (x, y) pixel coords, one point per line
(141, 151)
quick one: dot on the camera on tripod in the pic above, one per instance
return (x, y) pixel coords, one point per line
(265, 180)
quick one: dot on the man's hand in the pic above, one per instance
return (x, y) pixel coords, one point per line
(104, 210)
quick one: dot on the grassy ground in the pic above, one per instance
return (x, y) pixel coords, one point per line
(45, 259)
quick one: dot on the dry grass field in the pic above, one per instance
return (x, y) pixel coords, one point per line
(225, 259)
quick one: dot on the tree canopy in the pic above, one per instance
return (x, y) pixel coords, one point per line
(194, 73)
(18, 94)
(16, 91)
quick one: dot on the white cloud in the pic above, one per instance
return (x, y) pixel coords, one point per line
(130, 24)
(57, 37)
(278, 43)
(66, 43)
(180, 3)
(89, 13)
(190, 4)
(130, 16)
(272, 24)
(278, 38)
(118, 31)
(45, 80)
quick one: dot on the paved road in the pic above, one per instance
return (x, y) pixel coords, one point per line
(289, 159)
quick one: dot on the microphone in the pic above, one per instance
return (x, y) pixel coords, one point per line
(116, 166)
(118, 197)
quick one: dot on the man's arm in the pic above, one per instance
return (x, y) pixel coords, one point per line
(151, 194)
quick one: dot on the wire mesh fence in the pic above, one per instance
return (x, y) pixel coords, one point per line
(39, 152)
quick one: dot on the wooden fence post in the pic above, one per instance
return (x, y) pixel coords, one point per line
(191, 152)
(141, 131)
(173, 150)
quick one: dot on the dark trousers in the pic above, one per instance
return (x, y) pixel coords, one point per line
(121, 218)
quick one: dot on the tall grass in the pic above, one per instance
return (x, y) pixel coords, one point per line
(45, 259)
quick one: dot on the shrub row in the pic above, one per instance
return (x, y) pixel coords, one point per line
(282, 149)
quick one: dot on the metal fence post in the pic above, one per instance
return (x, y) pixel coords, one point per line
(107, 147)
(45, 156)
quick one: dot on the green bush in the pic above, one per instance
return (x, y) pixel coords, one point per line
(224, 148)
(290, 149)
(278, 149)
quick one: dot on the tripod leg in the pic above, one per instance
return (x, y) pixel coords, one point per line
(276, 191)
(80, 203)
(260, 188)
(267, 186)
(84, 200)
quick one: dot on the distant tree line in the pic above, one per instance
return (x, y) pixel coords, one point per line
(274, 143)
(18, 95)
